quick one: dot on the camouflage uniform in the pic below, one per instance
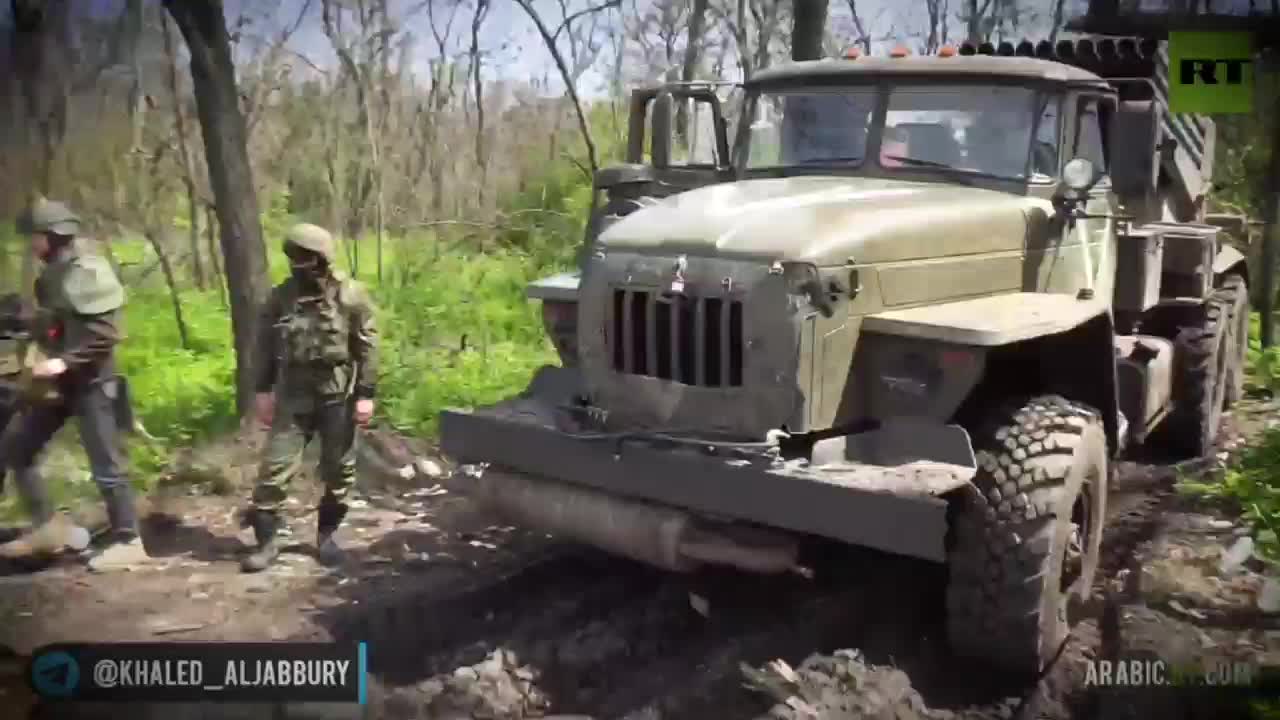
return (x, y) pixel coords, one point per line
(80, 303)
(319, 353)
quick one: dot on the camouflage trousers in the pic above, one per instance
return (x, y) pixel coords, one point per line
(291, 433)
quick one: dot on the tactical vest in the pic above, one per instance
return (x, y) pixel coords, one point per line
(315, 330)
(76, 281)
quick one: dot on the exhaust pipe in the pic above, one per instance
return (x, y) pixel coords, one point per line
(661, 536)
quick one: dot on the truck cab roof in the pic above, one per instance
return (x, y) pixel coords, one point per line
(977, 67)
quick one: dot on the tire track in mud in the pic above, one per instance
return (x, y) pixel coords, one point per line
(609, 638)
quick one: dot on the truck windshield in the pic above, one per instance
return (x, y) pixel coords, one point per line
(987, 130)
(982, 129)
(811, 128)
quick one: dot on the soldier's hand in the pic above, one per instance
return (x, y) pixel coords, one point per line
(264, 407)
(364, 411)
(49, 368)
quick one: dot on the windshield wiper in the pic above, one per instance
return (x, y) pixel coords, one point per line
(839, 160)
(931, 164)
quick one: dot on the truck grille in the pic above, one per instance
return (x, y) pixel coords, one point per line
(694, 341)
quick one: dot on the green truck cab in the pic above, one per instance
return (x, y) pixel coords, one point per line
(918, 304)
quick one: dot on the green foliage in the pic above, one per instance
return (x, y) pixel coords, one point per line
(1252, 483)
(457, 329)
(1240, 167)
(1264, 365)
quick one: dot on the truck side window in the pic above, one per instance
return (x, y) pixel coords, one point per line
(697, 146)
(1044, 148)
(1089, 135)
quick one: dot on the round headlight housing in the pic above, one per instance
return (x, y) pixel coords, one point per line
(1079, 175)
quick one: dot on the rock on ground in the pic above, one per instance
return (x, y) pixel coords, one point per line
(842, 686)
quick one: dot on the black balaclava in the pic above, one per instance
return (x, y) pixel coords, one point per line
(56, 244)
(307, 268)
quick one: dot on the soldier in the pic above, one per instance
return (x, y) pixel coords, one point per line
(76, 326)
(316, 377)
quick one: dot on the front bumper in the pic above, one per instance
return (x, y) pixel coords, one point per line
(894, 503)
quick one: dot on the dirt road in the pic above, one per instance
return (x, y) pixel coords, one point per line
(466, 617)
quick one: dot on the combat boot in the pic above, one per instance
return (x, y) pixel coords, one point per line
(51, 533)
(329, 517)
(123, 547)
(266, 526)
(55, 535)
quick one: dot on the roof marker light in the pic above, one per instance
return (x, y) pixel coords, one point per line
(946, 51)
(899, 52)
(852, 53)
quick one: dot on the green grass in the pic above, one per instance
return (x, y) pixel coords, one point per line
(456, 331)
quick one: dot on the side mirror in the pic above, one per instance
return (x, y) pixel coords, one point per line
(1079, 176)
(660, 130)
(1136, 146)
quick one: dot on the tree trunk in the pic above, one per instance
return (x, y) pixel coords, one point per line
(222, 125)
(808, 29)
(40, 38)
(482, 160)
(165, 267)
(692, 54)
(133, 40)
(549, 40)
(1271, 238)
(1057, 20)
(211, 234)
(184, 155)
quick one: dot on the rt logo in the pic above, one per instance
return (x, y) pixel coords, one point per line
(1211, 72)
(55, 674)
(1205, 70)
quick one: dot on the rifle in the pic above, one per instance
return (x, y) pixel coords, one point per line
(18, 355)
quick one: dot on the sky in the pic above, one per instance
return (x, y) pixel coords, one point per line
(517, 53)
(520, 54)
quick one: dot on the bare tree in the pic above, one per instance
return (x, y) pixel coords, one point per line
(1058, 10)
(43, 76)
(658, 33)
(936, 35)
(582, 51)
(482, 160)
(862, 37)
(223, 127)
(976, 18)
(441, 94)
(374, 40)
(185, 160)
(692, 55)
(741, 19)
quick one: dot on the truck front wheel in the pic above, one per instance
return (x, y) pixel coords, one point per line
(1026, 534)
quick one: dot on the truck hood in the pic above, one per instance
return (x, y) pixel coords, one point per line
(823, 220)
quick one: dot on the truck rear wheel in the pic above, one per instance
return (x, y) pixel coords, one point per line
(1234, 293)
(1026, 534)
(1200, 359)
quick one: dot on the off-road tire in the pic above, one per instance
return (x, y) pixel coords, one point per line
(1234, 293)
(1199, 373)
(1041, 485)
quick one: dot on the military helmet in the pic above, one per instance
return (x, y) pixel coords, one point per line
(48, 216)
(310, 237)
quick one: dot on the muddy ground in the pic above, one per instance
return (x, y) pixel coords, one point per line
(466, 617)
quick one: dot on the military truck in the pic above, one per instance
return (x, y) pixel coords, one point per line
(919, 304)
